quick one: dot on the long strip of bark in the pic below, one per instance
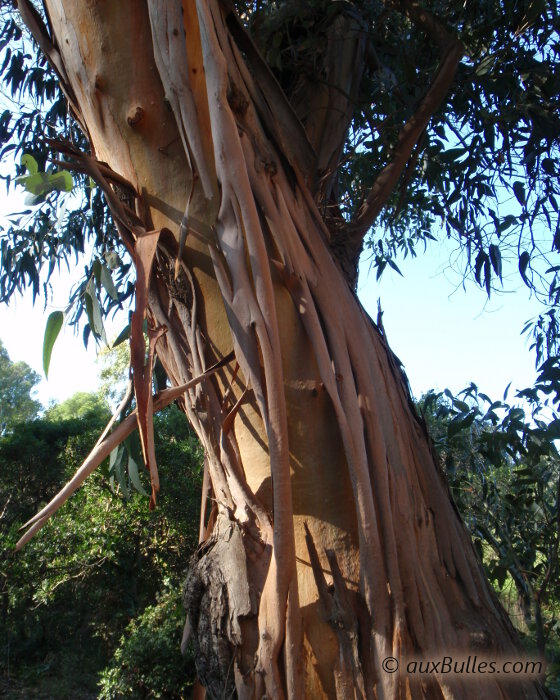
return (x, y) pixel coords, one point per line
(279, 609)
(41, 35)
(102, 450)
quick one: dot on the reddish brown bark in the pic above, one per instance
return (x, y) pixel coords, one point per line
(333, 542)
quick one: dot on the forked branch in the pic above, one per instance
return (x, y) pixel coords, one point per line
(411, 132)
(407, 140)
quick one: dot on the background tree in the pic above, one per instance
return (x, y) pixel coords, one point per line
(80, 405)
(504, 472)
(242, 184)
(86, 595)
(17, 381)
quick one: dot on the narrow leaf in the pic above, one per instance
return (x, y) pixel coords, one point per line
(461, 405)
(519, 192)
(122, 336)
(478, 265)
(135, 476)
(29, 163)
(52, 329)
(460, 423)
(107, 282)
(523, 263)
(93, 311)
(487, 275)
(96, 268)
(496, 260)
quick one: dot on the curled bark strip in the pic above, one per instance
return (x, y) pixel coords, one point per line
(197, 82)
(41, 35)
(144, 251)
(227, 425)
(102, 450)
(170, 50)
(279, 618)
(274, 107)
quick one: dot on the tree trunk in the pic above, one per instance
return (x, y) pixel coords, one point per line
(332, 540)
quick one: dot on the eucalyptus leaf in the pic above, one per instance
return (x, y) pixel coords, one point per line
(519, 192)
(107, 282)
(135, 476)
(52, 330)
(29, 163)
(524, 259)
(122, 336)
(93, 310)
(62, 181)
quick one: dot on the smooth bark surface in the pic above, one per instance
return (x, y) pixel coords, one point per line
(331, 541)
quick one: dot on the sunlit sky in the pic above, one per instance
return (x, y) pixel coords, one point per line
(443, 335)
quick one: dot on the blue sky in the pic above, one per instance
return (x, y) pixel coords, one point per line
(448, 334)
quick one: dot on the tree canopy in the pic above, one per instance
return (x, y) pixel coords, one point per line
(88, 593)
(17, 382)
(448, 127)
(79, 405)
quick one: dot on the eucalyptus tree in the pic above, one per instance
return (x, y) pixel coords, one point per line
(245, 151)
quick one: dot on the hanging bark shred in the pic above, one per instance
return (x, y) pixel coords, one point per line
(105, 446)
(144, 251)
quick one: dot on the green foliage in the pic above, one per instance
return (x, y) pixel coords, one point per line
(148, 663)
(52, 329)
(17, 381)
(485, 173)
(504, 471)
(113, 375)
(82, 404)
(68, 596)
(39, 184)
(57, 227)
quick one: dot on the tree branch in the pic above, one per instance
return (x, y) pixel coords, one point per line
(407, 140)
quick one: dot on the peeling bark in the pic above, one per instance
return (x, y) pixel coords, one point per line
(326, 493)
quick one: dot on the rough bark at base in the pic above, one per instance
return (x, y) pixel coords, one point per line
(333, 542)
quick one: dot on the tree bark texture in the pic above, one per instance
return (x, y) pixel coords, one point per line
(330, 541)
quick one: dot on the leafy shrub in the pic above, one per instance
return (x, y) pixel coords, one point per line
(67, 597)
(148, 663)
